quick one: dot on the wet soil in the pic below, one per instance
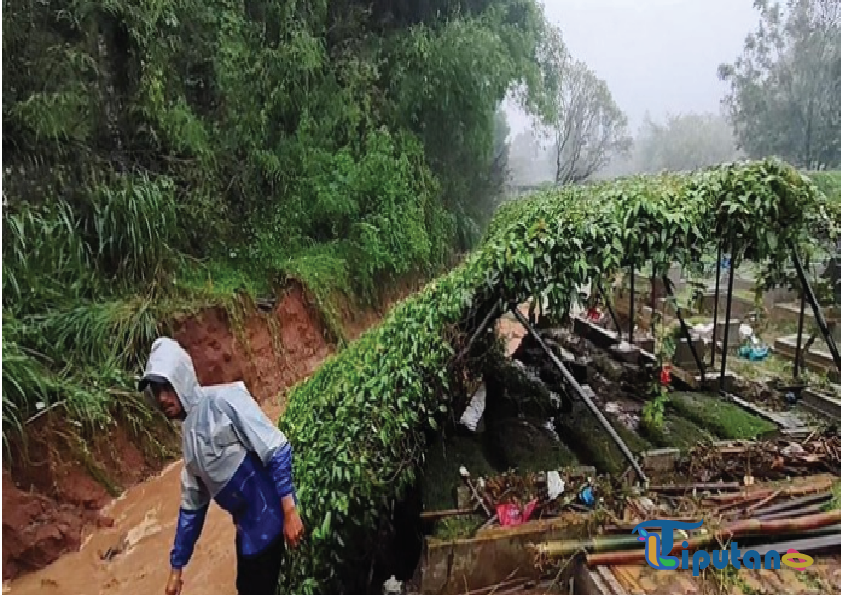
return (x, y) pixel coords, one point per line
(52, 504)
(54, 488)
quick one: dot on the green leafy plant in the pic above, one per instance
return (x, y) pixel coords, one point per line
(653, 412)
(359, 424)
(179, 153)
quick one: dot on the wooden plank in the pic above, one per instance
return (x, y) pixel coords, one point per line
(446, 513)
(610, 580)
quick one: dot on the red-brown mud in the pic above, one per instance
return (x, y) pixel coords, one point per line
(53, 505)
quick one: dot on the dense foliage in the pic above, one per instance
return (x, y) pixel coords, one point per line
(153, 150)
(786, 86)
(359, 424)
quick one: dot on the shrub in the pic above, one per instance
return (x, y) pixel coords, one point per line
(359, 424)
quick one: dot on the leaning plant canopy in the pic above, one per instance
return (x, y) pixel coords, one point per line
(359, 425)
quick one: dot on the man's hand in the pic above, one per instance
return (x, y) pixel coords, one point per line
(174, 582)
(293, 527)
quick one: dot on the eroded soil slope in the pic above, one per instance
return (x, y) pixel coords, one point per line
(51, 500)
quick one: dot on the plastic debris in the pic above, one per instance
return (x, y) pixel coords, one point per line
(392, 586)
(472, 414)
(753, 353)
(666, 376)
(555, 485)
(510, 514)
(703, 330)
(586, 496)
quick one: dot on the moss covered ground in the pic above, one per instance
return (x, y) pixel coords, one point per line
(724, 419)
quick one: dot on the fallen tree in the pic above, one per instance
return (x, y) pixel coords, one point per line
(360, 424)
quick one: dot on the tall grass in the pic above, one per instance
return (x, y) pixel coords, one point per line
(130, 225)
(79, 296)
(26, 382)
(89, 332)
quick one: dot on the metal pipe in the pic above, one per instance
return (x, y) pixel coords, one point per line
(685, 331)
(817, 311)
(484, 325)
(798, 338)
(727, 319)
(716, 302)
(568, 377)
(631, 306)
(610, 309)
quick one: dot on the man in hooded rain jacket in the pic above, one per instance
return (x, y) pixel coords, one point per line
(234, 455)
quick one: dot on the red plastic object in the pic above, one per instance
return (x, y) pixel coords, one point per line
(510, 515)
(665, 375)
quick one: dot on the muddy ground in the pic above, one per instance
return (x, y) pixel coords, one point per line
(63, 531)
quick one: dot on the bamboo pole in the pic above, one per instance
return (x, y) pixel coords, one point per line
(747, 527)
(446, 513)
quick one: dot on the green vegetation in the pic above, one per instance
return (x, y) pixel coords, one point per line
(836, 498)
(581, 430)
(784, 87)
(653, 412)
(360, 423)
(440, 472)
(526, 445)
(459, 526)
(830, 183)
(163, 156)
(724, 419)
(676, 432)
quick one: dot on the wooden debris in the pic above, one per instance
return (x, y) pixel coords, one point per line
(431, 515)
(748, 527)
(701, 486)
(766, 459)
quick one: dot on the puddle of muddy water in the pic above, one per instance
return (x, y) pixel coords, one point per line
(140, 542)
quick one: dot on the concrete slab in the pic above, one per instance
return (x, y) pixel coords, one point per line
(785, 420)
(683, 356)
(788, 312)
(626, 352)
(659, 460)
(817, 359)
(733, 331)
(494, 555)
(827, 405)
(740, 307)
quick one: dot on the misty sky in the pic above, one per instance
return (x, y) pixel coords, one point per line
(656, 55)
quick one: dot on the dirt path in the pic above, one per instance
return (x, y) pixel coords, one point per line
(132, 555)
(144, 526)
